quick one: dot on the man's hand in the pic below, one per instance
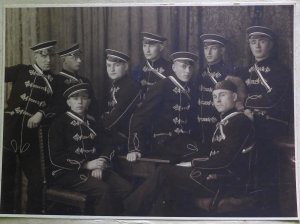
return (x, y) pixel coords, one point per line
(99, 163)
(133, 156)
(35, 120)
(97, 173)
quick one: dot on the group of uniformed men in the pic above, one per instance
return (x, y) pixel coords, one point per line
(202, 125)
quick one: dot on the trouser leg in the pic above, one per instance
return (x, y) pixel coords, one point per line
(9, 158)
(120, 189)
(8, 181)
(99, 196)
(165, 176)
(32, 170)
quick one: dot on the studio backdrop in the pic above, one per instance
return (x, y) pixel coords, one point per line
(98, 28)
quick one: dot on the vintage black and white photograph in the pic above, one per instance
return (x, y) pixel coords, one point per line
(149, 111)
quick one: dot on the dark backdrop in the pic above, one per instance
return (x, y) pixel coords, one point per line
(98, 28)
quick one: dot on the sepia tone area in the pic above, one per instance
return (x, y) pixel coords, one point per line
(99, 28)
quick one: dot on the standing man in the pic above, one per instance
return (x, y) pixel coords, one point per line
(124, 94)
(215, 71)
(198, 176)
(28, 105)
(269, 101)
(78, 159)
(155, 66)
(71, 62)
(167, 107)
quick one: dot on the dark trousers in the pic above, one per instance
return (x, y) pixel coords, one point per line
(102, 194)
(174, 178)
(22, 142)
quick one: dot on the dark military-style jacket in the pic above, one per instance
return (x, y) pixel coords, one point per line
(31, 91)
(167, 108)
(123, 96)
(207, 115)
(73, 141)
(232, 134)
(271, 101)
(65, 80)
(147, 78)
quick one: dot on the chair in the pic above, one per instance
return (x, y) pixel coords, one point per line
(235, 203)
(55, 195)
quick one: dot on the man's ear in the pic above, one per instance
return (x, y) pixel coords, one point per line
(173, 66)
(161, 47)
(271, 44)
(234, 95)
(223, 49)
(126, 66)
(68, 102)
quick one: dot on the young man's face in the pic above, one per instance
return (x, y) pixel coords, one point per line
(260, 47)
(79, 103)
(43, 59)
(116, 70)
(72, 63)
(152, 50)
(224, 100)
(183, 70)
(213, 52)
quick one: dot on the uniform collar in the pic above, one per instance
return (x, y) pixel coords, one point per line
(81, 119)
(266, 61)
(227, 113)
(69, 73)
(119, 80)
(76, 116)
(157, 62)
(184, 84)
(216, 66)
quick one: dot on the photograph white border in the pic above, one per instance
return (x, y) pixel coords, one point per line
(115, 3)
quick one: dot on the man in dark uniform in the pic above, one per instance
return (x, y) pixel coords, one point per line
(215, 71)
(71, 61)
(155, 66)
(78, 159)
(198, 175)
(28, 105)
(124, 94)
(167, 107)
(269, 100)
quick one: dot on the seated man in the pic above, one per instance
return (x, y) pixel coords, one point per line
(78, 163)
(197, 177)
(123, 95)
(167, 110)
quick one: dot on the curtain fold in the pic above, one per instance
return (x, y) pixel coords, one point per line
(98, 28)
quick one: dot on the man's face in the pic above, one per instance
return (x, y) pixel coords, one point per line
(183, 70)
(260, 47)
(79, 103)
(213, 52)
(43, 59)
(152, 50)
(116, 70)
(72, 62)
(224, 100)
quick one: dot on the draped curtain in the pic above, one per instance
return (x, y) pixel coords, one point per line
(98, 28)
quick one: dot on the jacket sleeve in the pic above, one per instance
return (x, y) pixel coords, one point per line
(279, 83)
(129, 98)
(56, 103)
(143, 115)
(12, 73)
(106, 150)
(236, 136)
(62, 155)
